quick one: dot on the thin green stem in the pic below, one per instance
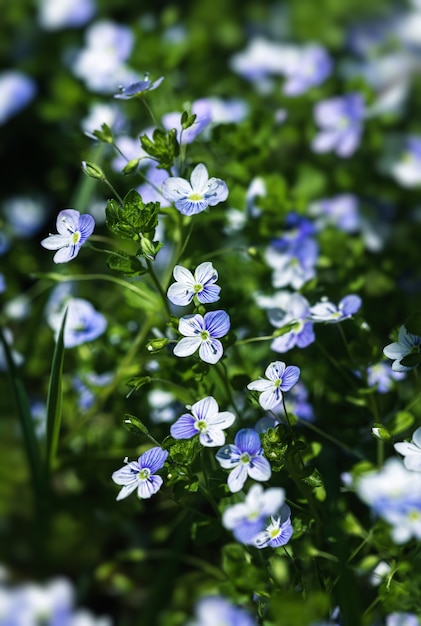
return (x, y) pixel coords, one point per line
(243, 342)
(332, 439)
(114, 191)
(149, 110)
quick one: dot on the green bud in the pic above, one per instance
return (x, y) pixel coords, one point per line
(148, 248)
(131, 167)
(92, 170)
(157, 344)
(380, 432)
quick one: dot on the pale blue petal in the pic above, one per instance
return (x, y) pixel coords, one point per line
(247, 440)
(205, 409)
(180, 294)
(350, 304)
(271, 398)
(275, 370)
(290, 377)
(416, 438)
(216, 192)
(153, 459)
(259, 469)
(127, 490)
(228, 456)
(199, 178)
(184, 427)
(54, 242)
(284, 536)
(66, 254)
(183, 275)
(205, 273)
(126, 474)
(86, 227)
(68, 222)
(187, 346)
(174, 188)
(211, 351)
(217, 323)
(149, 487)
(213, 437)
(222, 420)
(209, 294)
(191, 207)
(191, 325)
(261, 384)
(237, 478)
(395, 351)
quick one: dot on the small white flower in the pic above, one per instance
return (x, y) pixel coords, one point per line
(196, 196)
(411, 451)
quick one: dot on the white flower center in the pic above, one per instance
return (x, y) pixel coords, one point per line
(144, 474)
(245, 458)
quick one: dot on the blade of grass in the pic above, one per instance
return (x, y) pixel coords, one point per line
(27, 423)
(54, 399)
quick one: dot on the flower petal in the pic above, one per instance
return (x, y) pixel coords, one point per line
(183, 275)
(127, 490)
(237, 478)
(180, 294)
(205, 273)
(228, 456)
(205, 409)
(271, 398)
(86, 227)
(187, 346)
(199, 178)
(261, 384)
(66, 254)
(153, 459)
(217, 323)
(174, 188)
(259, 469)
(275, 370)
(211, 351)
(213, 437)
(191, 207)
(126, 474)
(210, 293)
(54, 242)
(247, 440)
(191, 325)
(68, 222)
(416, 438)
(350, 304)
(184, 427)
(217, 191)
(148, 488)
(290, 377)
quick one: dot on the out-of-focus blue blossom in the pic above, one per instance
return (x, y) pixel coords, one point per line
(2, 283)
(74, 229)
(85, 387)
(101, 64)
(394, 493)
(141, 474)
(102, 113)
(4, 243)
(137, 89)
(256, 189)
(279, 378)
(246, 519)
(56, 14)
(227, 111)
(129, 149)
(194, 197)
(382, 376)
(18, 308)
(407, 169)
(402, 619)
(83, 323)
(200, 285)
(16, 92)
(406, 344)
(326, 311)
(292, 307)
(278, 532)
(150, 190)
(308, 68)
(203, 333)
(212, 610)
(163, 406)
(411, 451)
(204, 420)
(25, 215)
(340, 211)
(341, 124)
(202, 109)
(244, 458)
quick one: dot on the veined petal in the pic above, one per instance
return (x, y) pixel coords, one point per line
(237, 478)
(184, 427)
(275, 370)
(210, 293)
(261, 384)
(217, 191)
(191, 325)
(67, 221)
(153, 459)
(86, 227)
(205, 409)
(126, 474)
(350, 304)
(205, 272)
(217, 323)
(187, 346)
(180, 294)
(66, 254)
(127, 490)
(290, 377)
(271, 398)
(183, 275)
(149, 487)
(55, 242)
(199, 178)
(228, 456)
(191, 207)
(174, 188)
(247, 440)
(285, 534)
(259, 469)
(213, 437)
(222, 420)
(211, 351)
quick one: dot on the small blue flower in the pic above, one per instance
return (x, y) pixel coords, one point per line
(278, 532)
(83, 323)
(136, 90)
(203, 333)
(244, 458)
(340, 120)
(205, 421)
(279, 378)
(211, 610)
(293, 308)
(325, 311)
(407, 344)
(16, 92)
(196, 196)
(201, 109)
(74, 229)
(382, 376)
(201, 285)
(308, 68)
(141, 474)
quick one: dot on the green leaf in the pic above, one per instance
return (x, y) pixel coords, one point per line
(105, 135)
(26, 421)
(135, 219)
(163, 146)
(131, 420)
(126, 264)
(54, 399)
(401, 422)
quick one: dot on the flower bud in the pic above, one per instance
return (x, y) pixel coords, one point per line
(92, 170)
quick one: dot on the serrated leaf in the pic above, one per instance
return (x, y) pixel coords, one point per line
(128, 266)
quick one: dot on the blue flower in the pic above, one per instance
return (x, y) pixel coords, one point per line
(247, 519)
(141, 474)
(278, 532)
(196, 196)
(136, 90)
(16, 91)
(244, 458)
(381, 375)
(340, 211)
(406, 170)
(340, 120)
(205, 421)
(279, 378)
(407, 344)
(325, 311)
(201, 109)
(211, 610)
(83, 323)
(74, 229)
(201, 285)
(292, 308)
(307, 68)
(203, 333)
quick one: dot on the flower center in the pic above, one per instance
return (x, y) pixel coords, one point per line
(204, 335)
(201, 426)
(195, 197)
(245, 458)
(144, 474)
(277, 383)
(274, 532)
(75, 237)
(414, 516)
(197, 288)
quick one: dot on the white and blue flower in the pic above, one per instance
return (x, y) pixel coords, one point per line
(141, 474)
(204, 420)
(195, 196)
(244, 458)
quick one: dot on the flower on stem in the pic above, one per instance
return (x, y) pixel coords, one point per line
(411, 451)
(196, 196)
(325, 311)
(203, 333)
(247, 519)
(74, 229)
(407, 344)
(340, 121)
(278, 532)
(136, 90)
(279, 378)
(205, 421)
(141, 474)
(244, 458)
(201, 285)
